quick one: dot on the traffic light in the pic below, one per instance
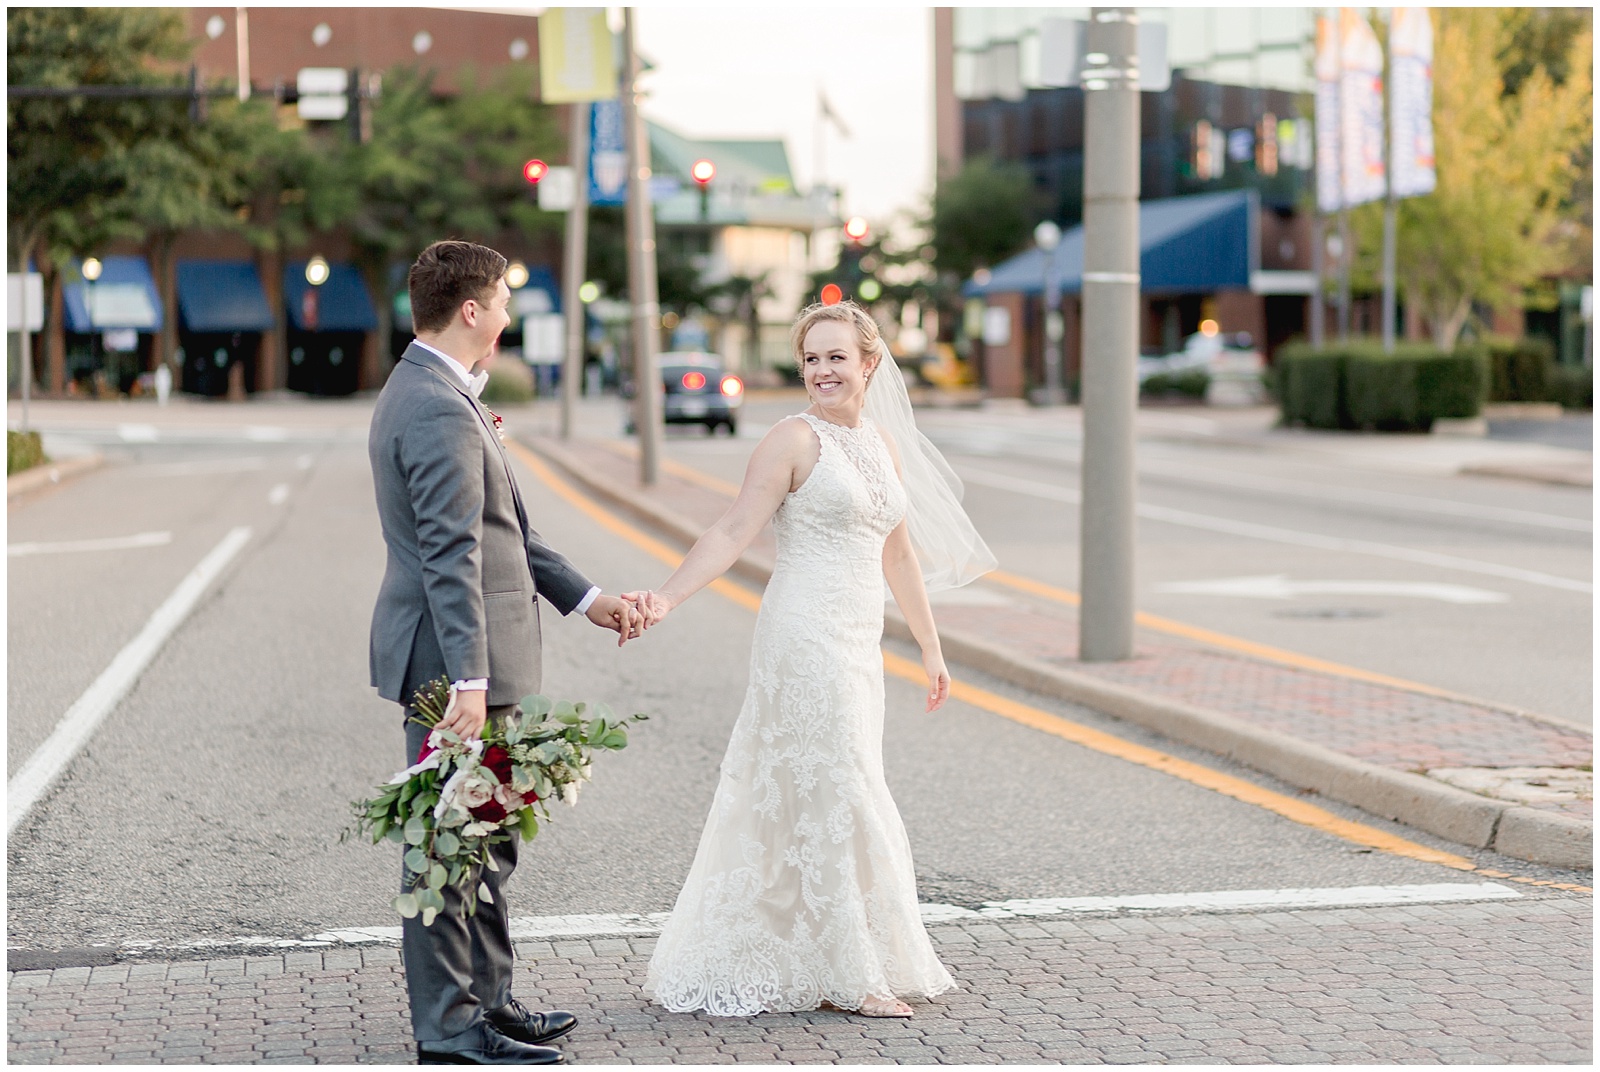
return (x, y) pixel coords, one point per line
(855, 229)
(534, 170)
(702, 173)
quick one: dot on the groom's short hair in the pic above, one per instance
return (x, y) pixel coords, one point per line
(445, 275)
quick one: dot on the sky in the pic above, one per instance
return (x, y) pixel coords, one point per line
(755, 70)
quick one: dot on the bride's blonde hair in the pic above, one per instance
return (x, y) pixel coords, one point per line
(868, 337)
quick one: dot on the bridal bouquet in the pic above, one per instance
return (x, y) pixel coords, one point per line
(462, 796)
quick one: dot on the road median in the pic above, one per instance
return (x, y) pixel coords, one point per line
(1346, 774)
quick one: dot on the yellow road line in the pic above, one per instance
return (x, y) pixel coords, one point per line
(1154, 623)
(1239, 789)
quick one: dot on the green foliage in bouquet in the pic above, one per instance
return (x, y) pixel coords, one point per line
(462, 797)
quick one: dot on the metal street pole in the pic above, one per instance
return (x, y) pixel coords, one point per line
(1344, 273)
(1319, 291)
(241, 35)
(641, 235)
(574, 261)
(1110, 332)
(1047, 236)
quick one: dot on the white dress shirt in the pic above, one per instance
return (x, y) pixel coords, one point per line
(481, 684)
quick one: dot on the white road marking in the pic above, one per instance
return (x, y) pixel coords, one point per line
(257, 433)
(278, 495)
(1274, 534)
(100, 698)
(303, 462)
(138, 433)
(215, 465)
(1279, 586)
(533, 928)
(1325, 492)
(110, 543)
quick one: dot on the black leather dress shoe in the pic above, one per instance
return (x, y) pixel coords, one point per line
(483, 1045)
(514, 1021)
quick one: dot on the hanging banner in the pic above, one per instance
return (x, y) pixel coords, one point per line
(608, 154)
(1326, 141)
(1411, 101)
(1360, 109)
(577, 56)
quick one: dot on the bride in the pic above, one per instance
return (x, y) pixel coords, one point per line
(802, 890)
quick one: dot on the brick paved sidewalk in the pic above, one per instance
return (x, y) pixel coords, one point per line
(1378, 724)
(1501, 981)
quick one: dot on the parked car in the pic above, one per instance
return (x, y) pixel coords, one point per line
(697, 389)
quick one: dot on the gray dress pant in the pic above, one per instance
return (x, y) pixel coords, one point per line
(460, 967)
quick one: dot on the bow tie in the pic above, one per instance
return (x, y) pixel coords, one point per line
(475, 383)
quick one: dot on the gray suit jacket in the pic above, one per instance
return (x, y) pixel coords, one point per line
(458, 598)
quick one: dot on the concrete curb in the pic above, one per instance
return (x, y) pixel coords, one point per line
(43, 476)
(1465, 818)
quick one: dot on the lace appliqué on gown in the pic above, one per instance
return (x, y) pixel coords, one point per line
(802, 889)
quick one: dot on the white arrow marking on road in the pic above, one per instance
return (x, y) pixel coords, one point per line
(110, 543)
(138, 433)
(1275, 534)
(278, 495)
(1279, 586)
(84, 716)
(619, 924)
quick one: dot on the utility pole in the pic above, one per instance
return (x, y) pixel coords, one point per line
(641, 235)
(1110, 332)
(1318, 303)
(1047, 236)
(573, 262)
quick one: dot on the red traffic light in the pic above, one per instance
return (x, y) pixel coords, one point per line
(855, 229)
(534, 170)
(831, 294)
(703, 172)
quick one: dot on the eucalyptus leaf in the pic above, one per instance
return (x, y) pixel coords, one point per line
(446, 843)
(536, 706)
(395, 833)
(430, 898)
(488, 861)
(529, 824)
(406, 905)
(429, 915)
(604, 711)
(436, 877)
(416, 861)
(483, 891)
(416, 831)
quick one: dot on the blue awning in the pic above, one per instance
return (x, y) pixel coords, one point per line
(340, 304)
(1187, 245)
(123, 297)
(539, 295)
(222, 296)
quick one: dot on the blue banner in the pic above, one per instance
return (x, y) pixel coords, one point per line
(608, 154)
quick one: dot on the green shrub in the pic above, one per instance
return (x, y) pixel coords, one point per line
(23, 451)
(1570, 385)
(510, 381)
(1185, 383)
(1357, 385)
(1519, 369)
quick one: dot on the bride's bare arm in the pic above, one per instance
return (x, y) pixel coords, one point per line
(904, 574)
(790, 447)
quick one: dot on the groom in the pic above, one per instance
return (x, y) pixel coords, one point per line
(458, 601)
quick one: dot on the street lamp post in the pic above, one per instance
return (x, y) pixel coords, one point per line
(1047, 236)
(91, 274)
(1110, 332)
(642, 283)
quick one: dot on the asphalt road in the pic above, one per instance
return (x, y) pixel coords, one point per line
(1219, 512)
(209, 803)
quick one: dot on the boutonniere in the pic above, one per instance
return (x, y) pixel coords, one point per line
(497, 422)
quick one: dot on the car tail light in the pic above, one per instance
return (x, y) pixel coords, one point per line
(693, 381)
(732, 386)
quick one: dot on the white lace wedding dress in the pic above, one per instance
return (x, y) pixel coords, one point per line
(802, 888)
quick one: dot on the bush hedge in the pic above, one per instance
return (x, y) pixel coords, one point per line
(1519, 369)
(510, 381)
(1570, 385)
(23, 451)
(1186, 383)
(1356, 385)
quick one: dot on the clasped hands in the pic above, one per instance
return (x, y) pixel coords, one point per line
(629, 614)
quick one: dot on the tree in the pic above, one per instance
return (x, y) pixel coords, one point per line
(981, 216)
(71, 160)
(1506, 162)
